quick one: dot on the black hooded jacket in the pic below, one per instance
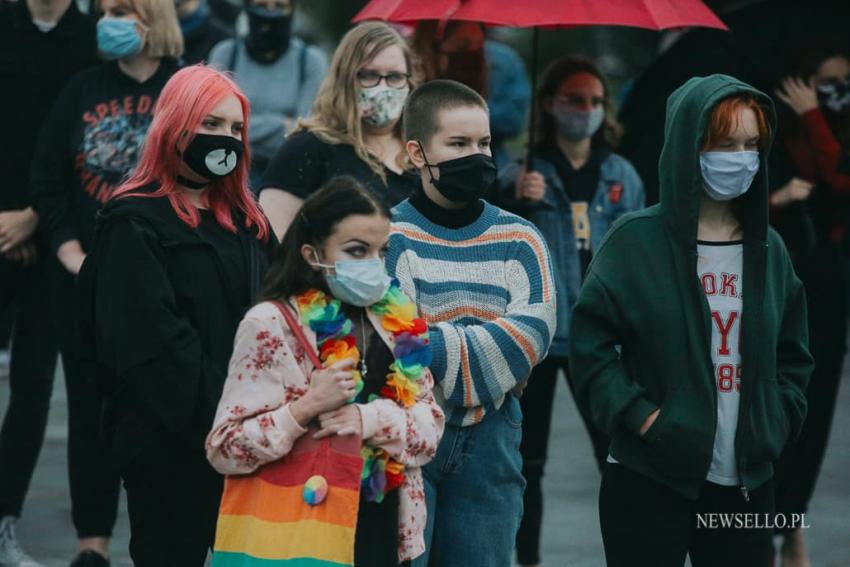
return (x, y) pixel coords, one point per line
(159, 304)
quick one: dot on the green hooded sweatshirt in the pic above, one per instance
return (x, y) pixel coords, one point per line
(641, 330)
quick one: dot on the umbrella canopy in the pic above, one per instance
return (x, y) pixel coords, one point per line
(650, 14)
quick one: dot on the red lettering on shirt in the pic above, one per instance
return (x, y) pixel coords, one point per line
(709, 283)
(729, 286)
(144, 105)
(724, 328)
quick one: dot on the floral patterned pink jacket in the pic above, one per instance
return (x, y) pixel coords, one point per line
(253, 425)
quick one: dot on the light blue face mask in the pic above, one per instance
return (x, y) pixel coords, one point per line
(118, 38)
(727, 175)
(358, 282)
(576, 125)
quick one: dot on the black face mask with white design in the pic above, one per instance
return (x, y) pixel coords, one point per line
(835, 96)
(213, 156)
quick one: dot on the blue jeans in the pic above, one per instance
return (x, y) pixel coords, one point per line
(473, 490)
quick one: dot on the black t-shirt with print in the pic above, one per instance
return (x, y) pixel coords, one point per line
(304, 163)
(580, 185)
(90, 142)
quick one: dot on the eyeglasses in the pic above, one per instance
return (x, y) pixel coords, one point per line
(368, 79)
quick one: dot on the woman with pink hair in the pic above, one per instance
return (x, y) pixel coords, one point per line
(179, 253)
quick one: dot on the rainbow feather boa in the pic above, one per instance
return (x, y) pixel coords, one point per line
(336, 341)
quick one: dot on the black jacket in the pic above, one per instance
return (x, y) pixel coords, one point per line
(158, 313)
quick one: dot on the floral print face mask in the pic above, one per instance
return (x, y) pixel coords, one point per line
(380, 105)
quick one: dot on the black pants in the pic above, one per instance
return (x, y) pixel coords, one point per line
(173, 496)
(824, 275)
(27, 294)
(536, 402)
(646, 524)
(94, 480)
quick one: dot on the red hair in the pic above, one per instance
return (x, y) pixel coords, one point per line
(724, 119)
(187, 98)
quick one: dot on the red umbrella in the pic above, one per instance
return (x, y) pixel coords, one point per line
(651, 14)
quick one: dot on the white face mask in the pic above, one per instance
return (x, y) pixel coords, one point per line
(727, 175)
(380, 105)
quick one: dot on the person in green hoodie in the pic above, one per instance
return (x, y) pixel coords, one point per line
(689, 344)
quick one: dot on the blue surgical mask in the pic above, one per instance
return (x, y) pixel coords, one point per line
(727, 175)
(358, 282)
(118, 38)
(576, 125)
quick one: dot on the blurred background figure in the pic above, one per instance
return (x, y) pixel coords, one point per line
(460, 51)
(201, 29)
(279, 72)
(811, 208)
(576, 190)
(89, 143)
(43, 43)
(763, 38)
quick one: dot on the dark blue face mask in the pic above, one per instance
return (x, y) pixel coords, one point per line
(195, 20)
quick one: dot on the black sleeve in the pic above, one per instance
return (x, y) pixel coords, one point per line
(52, 175)
(300, 166)
(152, 349)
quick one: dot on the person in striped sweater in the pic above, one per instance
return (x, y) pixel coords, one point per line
(482, 278)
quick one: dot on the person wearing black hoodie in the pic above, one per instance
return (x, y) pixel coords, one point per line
(89, 142)
(42, 44)
(689, 344)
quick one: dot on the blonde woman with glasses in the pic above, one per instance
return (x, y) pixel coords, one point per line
(354, 129)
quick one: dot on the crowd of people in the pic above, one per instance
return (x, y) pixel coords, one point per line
(251, 258)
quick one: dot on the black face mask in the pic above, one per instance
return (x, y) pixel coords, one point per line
(835, 96)
(268, 33)
(463, 180)
(212, 156)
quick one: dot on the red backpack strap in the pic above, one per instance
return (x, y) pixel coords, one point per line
(296, 329)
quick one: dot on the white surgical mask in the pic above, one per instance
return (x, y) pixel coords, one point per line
(727, 175)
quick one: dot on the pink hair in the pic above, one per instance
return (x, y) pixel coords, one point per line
(187, 98)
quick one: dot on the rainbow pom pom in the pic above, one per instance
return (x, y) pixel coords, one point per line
(315, 490)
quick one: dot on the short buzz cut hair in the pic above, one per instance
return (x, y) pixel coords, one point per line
(423, 106)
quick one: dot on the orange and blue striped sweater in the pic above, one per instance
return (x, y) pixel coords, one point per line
(488, 294)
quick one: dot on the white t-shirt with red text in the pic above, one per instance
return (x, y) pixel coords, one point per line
(720, 267)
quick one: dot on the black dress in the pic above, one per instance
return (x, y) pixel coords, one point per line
(304, 163)
(376, 542)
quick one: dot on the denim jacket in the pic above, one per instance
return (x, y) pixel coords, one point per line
(620, 191)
